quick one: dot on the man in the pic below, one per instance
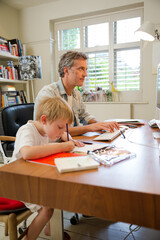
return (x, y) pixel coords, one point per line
(73, 70)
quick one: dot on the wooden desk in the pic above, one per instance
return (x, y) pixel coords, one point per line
(128, 191)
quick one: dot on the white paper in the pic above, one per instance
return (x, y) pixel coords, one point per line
(89, 147)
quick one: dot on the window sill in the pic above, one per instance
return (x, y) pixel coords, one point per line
(116, 102)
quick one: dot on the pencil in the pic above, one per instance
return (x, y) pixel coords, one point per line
(67, 131)
(122, 133)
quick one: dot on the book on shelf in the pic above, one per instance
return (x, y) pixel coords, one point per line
(8, 98)
(3, 40)
(23, 96)
(9, 71)
(15, 46)
(8, 88)
(4, 45)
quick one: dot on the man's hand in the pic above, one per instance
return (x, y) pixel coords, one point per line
(107, 126)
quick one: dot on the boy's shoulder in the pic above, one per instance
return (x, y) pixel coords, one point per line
(27, 126)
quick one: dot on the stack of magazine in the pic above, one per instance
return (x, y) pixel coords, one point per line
(110, 155)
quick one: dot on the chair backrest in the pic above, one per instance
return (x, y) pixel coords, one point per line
(15, 116)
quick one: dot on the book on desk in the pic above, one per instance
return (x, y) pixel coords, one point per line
(68, 161)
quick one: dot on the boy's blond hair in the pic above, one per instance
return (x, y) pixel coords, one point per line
(54, 108)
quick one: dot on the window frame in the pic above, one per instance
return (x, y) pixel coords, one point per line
(127, 96)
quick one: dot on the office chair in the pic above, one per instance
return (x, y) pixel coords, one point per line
(13, 117)
(12, 212)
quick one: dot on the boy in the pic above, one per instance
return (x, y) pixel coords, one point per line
(32, 142)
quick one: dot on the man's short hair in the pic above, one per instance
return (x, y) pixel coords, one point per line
(54, 108)
(67, 60)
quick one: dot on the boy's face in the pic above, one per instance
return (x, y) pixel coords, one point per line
(55, 129)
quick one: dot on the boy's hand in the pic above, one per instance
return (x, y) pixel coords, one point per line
(69, 146)
(65, 138)
(78, 143)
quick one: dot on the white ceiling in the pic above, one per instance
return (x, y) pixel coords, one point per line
(20, 4)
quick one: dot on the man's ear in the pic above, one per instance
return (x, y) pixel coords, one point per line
(43, 119)
(66, 70)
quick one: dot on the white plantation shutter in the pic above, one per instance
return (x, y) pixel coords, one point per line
(124, 30)
(96, 35)
(98, 71)
(126, 59)
(114, 54)
(127, 69)
(69, 39)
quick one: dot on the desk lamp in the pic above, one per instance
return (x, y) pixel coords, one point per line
(148, 32)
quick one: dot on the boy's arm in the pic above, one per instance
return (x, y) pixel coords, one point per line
(35, 152)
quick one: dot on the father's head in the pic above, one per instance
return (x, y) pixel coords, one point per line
(67, 60)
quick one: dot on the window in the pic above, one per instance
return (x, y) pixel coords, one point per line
(114, 53)
(127, 69)
(69, 39)
(96, 35)
(98, 71)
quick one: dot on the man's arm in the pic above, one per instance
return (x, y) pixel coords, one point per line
(93, 126)
(79, 130)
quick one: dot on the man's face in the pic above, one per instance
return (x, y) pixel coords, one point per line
(78, 72)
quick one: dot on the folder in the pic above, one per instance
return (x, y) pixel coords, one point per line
(50, 160)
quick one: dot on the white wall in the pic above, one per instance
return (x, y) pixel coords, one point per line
(9, 22)
(35, 33)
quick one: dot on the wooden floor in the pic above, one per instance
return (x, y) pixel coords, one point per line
(98, 229)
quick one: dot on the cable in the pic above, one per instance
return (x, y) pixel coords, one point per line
(132, 230)
(140, 144)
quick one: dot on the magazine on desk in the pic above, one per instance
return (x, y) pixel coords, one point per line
(130, 121)
(110, 155)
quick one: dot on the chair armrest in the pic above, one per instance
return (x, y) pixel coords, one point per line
(7, 138)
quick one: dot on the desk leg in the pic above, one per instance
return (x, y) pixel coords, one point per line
(57, 225)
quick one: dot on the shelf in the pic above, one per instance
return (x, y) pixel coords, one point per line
(5, 80)
(7, 56)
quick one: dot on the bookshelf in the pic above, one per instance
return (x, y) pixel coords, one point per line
(24, 85)
(7, 56)
(16, 69)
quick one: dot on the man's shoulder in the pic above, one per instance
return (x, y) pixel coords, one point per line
(48, 90)
(50, 86)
